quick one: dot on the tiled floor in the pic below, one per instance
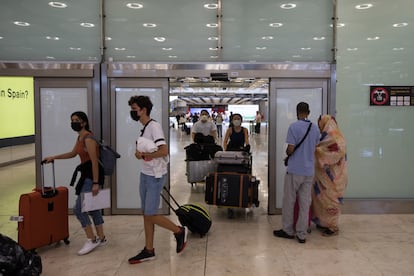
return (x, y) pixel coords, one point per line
(366, 245)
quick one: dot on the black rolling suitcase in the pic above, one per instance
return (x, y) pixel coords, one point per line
(194, 216)
(231, 189)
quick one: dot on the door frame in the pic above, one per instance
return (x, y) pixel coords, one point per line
(284, 83)
(109, 130)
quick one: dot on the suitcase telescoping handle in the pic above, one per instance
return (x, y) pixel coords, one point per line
(48, 193)
(169, 204)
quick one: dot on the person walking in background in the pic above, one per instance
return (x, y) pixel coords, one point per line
(236, 137)
(299, 174)
(331, 176)
(91, 179)
(219, 125)
(258, 120)
(204, 126)
(152, 178)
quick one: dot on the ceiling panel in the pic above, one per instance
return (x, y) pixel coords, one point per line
(245, 31)
(182, 23)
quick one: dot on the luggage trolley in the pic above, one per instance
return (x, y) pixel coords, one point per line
(199, 161)
(232, 184)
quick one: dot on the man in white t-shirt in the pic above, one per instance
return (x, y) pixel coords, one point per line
(152, 180)
(204, 126)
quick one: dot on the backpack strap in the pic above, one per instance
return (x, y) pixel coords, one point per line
(145, 126)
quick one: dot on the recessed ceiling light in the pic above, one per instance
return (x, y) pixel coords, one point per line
(92, 58)
(397, 49)
(59, 5)
(212, 25)
(213, 56)
(213, 38)
(269, 37)
(75, 48)
(373, 38)
(213, 49)
(172, 56)
(276, 25)
(399, 25)
(134, 5)
(288, 6)
(305, 48)
(352, 49)
(363, 6)
(149, 25)
(159, 39)
(22, 24)
(166, 49)
(261, 48)
(120, 49)
(108, 38)
(52, 38)
(50, 57)
(87, 25)
(1, 37)
(130, 56)
(319, 38)
(211, 6)
(296, 56)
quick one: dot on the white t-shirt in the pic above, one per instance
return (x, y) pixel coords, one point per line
(153, 132)
(205, 128)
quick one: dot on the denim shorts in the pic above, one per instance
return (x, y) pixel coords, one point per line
(149, 190)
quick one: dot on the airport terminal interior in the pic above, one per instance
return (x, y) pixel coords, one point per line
(352, 59)
(367, 244)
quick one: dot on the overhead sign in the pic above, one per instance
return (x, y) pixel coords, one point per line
(392, 95)
(16, 107)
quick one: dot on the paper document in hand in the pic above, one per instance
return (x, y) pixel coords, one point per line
(101, 201)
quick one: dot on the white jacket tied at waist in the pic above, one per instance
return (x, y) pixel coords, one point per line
(159, 164)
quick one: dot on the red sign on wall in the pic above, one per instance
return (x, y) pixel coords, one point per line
(391, 95)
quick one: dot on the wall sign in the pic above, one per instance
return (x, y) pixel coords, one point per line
(391, 95)
(16, 107)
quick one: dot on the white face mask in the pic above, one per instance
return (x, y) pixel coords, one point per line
(236, 122)
(204, 118)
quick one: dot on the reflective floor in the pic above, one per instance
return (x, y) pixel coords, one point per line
(244, 245)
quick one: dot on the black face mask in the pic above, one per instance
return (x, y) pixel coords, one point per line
(134, 115)
(76, 126)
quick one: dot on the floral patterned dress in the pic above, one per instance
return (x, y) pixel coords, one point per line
(330, 175)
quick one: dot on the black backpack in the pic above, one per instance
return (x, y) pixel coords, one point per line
(107, 157)
(15, 260)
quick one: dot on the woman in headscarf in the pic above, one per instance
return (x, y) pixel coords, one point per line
(330, 176)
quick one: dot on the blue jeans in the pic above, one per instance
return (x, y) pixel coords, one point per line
(149, 190)
(84, 217)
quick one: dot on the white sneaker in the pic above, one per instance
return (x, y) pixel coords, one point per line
(88, 247)
(102, 242)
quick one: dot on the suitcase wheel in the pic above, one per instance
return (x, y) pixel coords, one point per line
(66, 241)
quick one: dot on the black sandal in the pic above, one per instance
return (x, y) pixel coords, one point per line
(328, 232)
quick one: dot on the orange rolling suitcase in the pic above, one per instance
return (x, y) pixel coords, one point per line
(43, 216)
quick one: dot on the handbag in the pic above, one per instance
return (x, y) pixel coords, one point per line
(298, 145)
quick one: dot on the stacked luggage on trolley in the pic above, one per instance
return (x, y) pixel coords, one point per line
(232, 184)
(200, 158)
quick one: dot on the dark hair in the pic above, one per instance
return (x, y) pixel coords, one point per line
(141, 102)
(237, 114)
(82, 115)
(205, 110)
(302, 108)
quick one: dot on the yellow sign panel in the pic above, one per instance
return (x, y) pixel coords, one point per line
(16, 107)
